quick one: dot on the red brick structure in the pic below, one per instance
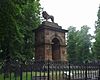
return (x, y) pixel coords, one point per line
(50, 42)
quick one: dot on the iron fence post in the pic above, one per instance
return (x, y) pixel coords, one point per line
(86, 70)
(69, 71)
(99, 72)
(48, 69)
(20, 71)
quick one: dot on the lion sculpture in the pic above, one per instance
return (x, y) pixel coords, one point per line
(47, 16)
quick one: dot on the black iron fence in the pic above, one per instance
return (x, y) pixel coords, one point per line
(49, 70)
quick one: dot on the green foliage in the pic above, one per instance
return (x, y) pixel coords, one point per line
(71, 43)
(83, 44)
(79, 44)
(97, 26)
(17, 20)
(96, 46)
(30, 17)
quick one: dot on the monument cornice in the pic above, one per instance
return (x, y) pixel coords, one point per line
(50, 26)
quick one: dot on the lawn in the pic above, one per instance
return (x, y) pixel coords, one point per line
(25, 76)
(29, 75)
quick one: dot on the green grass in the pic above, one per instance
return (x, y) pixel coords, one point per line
(23, 76)
(53, 75)
(1, 77)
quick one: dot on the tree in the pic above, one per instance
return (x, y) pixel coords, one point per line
(10, 36)
(17, 19)
(31, 20)
(71, 43)
(83, 44)
(79, 43)
(96, 46)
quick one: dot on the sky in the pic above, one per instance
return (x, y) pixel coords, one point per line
(72, 12)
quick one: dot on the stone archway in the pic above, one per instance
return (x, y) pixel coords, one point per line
(55, 49)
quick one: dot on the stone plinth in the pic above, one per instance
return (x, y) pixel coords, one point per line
(50, 42)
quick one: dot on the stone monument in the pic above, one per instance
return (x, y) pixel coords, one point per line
(50, 42)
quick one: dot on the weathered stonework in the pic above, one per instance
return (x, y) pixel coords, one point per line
(50, 42)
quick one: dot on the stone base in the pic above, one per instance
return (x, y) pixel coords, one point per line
(51, 24)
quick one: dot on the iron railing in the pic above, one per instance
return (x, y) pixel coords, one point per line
(49, 70)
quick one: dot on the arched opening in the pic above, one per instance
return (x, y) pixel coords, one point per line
(55, 49)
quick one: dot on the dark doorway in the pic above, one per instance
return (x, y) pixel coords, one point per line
(55, 49)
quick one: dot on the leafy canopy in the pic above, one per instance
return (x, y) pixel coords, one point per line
(17, 20)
